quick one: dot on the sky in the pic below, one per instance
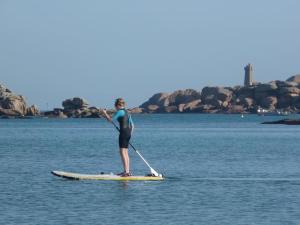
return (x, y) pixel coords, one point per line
(101, 50)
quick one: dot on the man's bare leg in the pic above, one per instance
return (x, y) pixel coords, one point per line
(125, 159)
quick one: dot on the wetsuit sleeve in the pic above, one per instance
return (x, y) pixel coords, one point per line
(131, 121)
(118, 114)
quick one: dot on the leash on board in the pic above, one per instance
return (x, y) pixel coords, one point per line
(140, 155)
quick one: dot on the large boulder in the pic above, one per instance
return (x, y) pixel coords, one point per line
(267, 87)
(152, 108)
(291, 91)
(269, 102)
(287, 101)
(281, 84)
(236, 109)
(136, 110)
(247, 102)
(75, 104)
(217, 97)
(32, 111)
(12, 104)
(91, 112)
(87, 113)
(55, 113)
(204, 108)
(183, 96)
(295, 78)
(297, 102)
(181, 107)
(170, 103)
(192, 106)
(94, 112)
(246, 92)
(169, 109)
(287, 96)
(264, 90)
(9, 113)
(218, 93)
(214, 102)
(163, 100)
(159, 99)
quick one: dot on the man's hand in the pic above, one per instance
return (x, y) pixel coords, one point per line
(103, 111)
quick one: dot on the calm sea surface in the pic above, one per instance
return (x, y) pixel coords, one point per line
(220, 169)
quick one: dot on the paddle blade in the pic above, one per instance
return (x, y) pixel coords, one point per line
(155, 173)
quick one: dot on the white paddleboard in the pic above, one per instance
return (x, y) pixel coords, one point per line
(79, 176)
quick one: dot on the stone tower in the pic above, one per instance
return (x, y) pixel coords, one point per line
(248, 75)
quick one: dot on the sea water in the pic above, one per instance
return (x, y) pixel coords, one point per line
(219, 169)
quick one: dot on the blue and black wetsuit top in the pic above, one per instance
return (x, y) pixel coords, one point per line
(126, 125)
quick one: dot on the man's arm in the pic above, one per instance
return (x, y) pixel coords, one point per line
(106, 115)
(132, 124)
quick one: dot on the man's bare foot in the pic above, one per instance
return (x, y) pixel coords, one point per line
(126, 174)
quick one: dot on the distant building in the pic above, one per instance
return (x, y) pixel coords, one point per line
(248, 75)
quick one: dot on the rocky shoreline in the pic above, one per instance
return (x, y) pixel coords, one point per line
(14, 106)
(272, 96)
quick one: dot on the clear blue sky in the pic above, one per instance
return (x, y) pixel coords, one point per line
(100, 50)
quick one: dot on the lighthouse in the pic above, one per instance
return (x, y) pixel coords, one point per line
(248, 75)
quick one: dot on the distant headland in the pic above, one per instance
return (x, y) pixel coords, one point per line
(253, 96)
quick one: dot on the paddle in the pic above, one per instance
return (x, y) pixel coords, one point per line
(151, 169)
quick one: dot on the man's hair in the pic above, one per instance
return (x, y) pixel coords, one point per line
(120, 102)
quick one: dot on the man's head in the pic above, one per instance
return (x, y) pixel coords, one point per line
(119, 103)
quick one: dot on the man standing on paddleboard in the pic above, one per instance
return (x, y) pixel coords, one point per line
(126, 127)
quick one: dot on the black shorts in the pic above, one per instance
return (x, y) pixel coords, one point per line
(124, 139)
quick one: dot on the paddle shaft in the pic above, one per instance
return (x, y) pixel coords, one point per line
(152, 170)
